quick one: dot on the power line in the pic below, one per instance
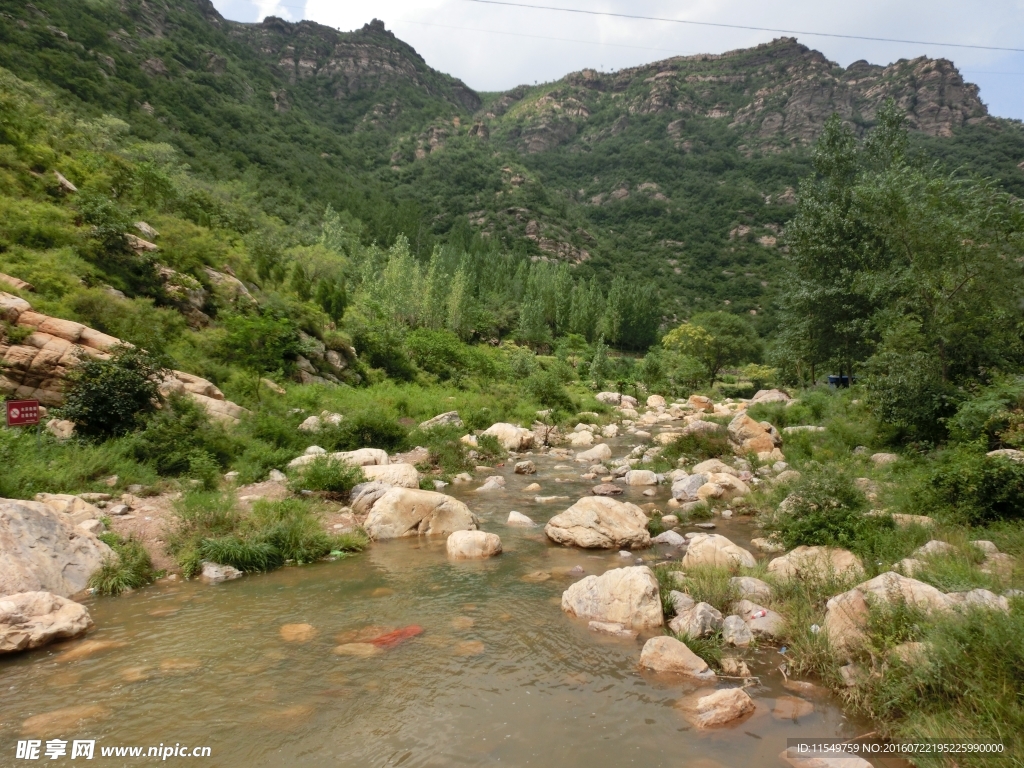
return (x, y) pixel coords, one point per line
(537, 37)
(740, 26)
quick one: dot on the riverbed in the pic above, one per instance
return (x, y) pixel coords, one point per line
(499, 674)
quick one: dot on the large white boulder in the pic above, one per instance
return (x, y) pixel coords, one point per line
(511, 437)
(666, 654)
(641, 477)
(31, 619)
(363, 457)
(627, 596)
(770, 396)
(395, 475)
(711, 709)
(599, 454)
(816, 562)
(599, 522)
(471, 545)
(713, 549)
(42, 551)
(402, 512)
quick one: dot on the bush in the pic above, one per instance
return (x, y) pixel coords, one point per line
(977, 488)
(440, 353)
(327, 475)
(107, 398)
(546, 388)
(698, 446)
(827, 509)
(365, 429)
(130, 568)
(181, 440)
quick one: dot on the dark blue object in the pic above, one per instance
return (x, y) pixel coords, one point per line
(839, 381)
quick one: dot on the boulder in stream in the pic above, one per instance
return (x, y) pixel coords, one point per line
(627, 596)
(32, 619)
(597, 522)
(402, 512)
(471, 545)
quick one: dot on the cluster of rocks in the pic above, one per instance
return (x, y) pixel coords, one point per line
(36, 367)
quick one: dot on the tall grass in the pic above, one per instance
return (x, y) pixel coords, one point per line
(130, 568)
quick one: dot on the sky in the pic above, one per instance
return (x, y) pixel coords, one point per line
(494, 47)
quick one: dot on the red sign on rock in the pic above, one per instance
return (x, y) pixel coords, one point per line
(21, 413)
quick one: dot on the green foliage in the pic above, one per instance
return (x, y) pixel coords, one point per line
(327, 475)
(259, 342)
(366, 429)
(106, 398)
(181, 440)
(716, 340)
(129, 568)
(546, 388)
(975, 488)
(698, 446)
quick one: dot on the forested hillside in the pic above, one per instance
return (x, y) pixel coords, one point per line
(678, 176)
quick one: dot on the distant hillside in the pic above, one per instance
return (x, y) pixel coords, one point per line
(682, 172)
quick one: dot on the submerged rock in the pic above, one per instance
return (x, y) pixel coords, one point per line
(32, 619)
(597, 522)
(518, 518)
(615, 630)
(215, 573)
(627, 596)
(716, 708)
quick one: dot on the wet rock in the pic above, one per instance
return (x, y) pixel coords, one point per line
(394, 475)
(669, 521)
(297, 633)
(451, 418)
(42, 551)
(749, 588)
(641, 477)
(87, 648)
(525, 468)
(686, 489)
(606, 489)
(469, 648)
(60, 721)
(615, 630)
(600, 453)
(403, 512)
(463, 477)
(735, 632)
(816, 562)
(597, 522)
(671, 538)
(699, 620)
(549, 499)
(734, 667)
(469, 545)
(717, 708)
(33, 619)
(360, 650)
(627, 596)
(215, 573)
(791, 708)
(511, 437)
(532, 488)
(519, 519)
(495, 483)
(716, 550)
(667, 655)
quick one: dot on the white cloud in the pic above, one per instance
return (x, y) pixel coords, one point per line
(494, 47)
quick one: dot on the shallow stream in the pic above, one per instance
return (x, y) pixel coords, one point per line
(499, 675)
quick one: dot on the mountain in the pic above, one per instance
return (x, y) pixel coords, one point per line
(681, 172)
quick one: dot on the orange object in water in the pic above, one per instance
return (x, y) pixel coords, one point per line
(391, 639)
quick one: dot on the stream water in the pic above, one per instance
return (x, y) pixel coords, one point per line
(499, 674)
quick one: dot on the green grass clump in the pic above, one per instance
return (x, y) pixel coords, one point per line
(327, 475)
(275, 532)
(708, 648)
(129, 568)
(697, 447)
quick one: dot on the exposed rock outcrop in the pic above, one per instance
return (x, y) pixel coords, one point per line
(598, 522)
(402, 512)
(31, 619)
(626, 596)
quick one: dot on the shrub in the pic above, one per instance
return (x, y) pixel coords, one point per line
(180, 439)
(129, 568)
(977, 488)
(243, 554)
(291, 528)
(106, 398)
(327, 475)
(698, 446)
(365, 429)
(440, 353)
(827, 509)
(447, 451)
(546, 388)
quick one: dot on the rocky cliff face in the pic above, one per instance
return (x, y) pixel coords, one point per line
(344, 64)
(778, 95)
